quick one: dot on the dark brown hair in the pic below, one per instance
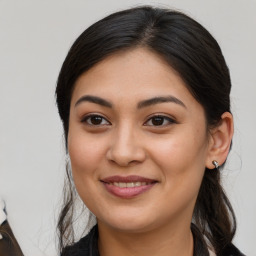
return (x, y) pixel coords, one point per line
(188, 48)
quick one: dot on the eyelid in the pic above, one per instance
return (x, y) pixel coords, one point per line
(171, 120)
(87, 116)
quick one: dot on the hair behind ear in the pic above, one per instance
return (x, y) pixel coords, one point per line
(213, 212)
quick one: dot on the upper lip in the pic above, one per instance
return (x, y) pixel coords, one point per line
(127, 179)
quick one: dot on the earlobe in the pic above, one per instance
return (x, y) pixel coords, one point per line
(220, 141)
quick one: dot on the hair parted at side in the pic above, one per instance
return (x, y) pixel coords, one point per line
(189, 49)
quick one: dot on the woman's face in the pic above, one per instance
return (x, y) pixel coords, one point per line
(138, 142)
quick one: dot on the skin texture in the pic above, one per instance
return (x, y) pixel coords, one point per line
(127, 142)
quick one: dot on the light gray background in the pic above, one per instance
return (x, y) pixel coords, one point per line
(34, 39)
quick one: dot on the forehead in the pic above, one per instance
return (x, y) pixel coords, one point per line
(134, 74)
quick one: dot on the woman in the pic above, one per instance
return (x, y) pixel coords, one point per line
(143, 95)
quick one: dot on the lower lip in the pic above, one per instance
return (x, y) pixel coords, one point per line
(127, 192)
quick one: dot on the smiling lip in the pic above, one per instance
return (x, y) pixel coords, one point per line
(129, 186)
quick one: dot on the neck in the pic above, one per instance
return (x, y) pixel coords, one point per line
(174, 240)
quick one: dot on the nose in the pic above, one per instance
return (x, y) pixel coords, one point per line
(126, 148)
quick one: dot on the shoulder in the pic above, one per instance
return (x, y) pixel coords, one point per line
(78, 249)
(231, 250)
(85, 246)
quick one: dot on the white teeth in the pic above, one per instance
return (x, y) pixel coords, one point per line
(122, 185)
(129, 184)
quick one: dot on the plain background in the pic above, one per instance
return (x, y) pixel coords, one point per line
(34, 39)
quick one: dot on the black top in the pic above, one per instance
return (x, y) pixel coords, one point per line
(88, 246)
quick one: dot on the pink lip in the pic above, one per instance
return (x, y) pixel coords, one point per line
(129, 192)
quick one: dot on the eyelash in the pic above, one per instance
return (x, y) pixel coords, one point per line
(161, 117)
(88, 117)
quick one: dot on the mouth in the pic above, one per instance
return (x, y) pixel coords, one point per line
(127, 187)
(129, 184)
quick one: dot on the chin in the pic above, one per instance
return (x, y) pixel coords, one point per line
(129, 224)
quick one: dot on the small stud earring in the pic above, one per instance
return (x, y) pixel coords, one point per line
(216, 164)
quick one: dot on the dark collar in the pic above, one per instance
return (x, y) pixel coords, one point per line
(88, 246)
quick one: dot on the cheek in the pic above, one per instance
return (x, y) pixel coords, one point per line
(181, 157)
(181, 162)
(178, 150)
(85, 153)
(86, 157)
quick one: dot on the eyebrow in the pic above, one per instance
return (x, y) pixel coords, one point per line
(141, 104)
(94, 99)
(161, 99)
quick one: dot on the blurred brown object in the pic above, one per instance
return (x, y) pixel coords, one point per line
(8, 244)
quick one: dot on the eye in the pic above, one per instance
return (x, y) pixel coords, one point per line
(159, 121)
(95, 120)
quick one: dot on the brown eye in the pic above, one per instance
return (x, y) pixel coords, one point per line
(95, 120)
(159, 121)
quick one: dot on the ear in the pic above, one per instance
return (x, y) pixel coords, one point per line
(220, 140)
